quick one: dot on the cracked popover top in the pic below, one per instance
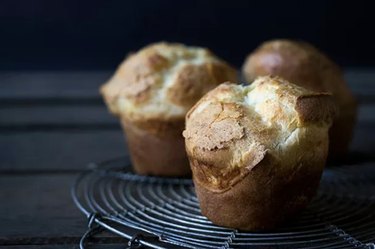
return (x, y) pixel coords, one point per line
(163, 80)
(302, 64)
(306, 66)
(234, 127)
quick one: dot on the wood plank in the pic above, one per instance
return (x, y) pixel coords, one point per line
(58, 150)
(361, 81)
(78, 115)
(46, 84)
(364, 139)
(366, 113)
(16, 85)
(73, 150)
(56, 115)
(35, 205)
(38, 206)
(81, 135)
(37, 210)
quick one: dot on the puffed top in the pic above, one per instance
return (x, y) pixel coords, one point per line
(232, 128)
(163, 80)
(302, 64)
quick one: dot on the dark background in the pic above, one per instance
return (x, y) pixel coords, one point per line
(48, 34)
(53, 121)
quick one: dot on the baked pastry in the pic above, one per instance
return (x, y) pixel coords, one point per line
(257, 152)
(304, 65)
(151, 91)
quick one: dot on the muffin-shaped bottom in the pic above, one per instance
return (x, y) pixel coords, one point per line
(264, 198)
(156, 154)
(257, 152)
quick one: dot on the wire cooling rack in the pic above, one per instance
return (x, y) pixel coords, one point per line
(164, 213)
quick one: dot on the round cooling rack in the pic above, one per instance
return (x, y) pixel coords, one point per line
(164, 212)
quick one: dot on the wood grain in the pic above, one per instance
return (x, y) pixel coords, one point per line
(47, 84)
(38, 206)
(18, 85)
(52, 124)
(58, 150)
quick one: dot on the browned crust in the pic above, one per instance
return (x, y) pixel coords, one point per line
(223, 88)
(219, 127)
(156, 154)
(210, 164)
(249, 182)
(215, 138)
(159, 127)
(193, 81)
(302, 64)
(316, 108)
(155, 134)
(296, 62)
(266, 194)
(264, 198)
(140, 77)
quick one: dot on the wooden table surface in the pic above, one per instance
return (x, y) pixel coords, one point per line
(52, 124)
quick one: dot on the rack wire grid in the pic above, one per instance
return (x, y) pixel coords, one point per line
(164, 212)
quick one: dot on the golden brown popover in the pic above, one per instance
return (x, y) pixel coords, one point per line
(257, 152)
(151, 91)
(304, 65)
